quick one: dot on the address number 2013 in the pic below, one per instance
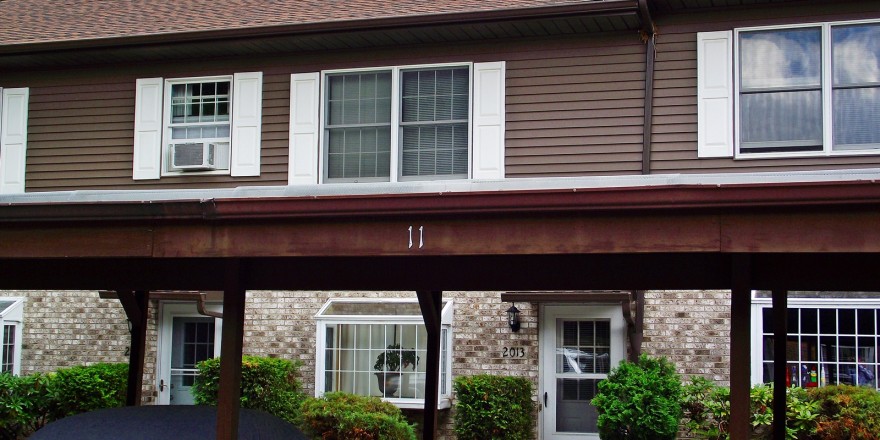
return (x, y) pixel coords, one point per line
(513, 352)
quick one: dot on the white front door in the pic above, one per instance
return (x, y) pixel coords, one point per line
(185, 338)
(579, 346)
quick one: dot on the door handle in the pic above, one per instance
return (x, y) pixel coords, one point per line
(545, 399)
(161, 385)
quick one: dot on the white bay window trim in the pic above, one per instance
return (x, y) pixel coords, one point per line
(328, 318)
(238, 153)
(11, 332)
(13, 139)
(719, 100)
(833, 361)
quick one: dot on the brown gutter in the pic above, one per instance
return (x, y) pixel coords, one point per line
(604, 8)
(649, 34)
(586, 200)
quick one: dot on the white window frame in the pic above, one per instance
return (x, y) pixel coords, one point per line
(14, 316)
(225, 143)
(826, 91)
(395, 174)
(758, 304)
(445, 395)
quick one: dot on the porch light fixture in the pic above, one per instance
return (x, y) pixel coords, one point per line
(513, 318)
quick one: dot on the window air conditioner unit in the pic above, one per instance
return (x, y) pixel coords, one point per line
(194, 156)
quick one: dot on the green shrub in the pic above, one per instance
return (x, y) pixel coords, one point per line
(342, 416)
(26, 404)
(847, 412)
(707, 411)
(493, 407)
(267, 384)
(87, 388)
(640, 401)
(29, 402)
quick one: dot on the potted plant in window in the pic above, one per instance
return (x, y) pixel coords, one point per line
(389, 365)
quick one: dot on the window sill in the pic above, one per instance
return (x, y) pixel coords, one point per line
(443, 403)
(844, 153)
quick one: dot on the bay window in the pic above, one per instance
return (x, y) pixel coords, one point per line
(830, 340)
(379, 348)
(11, 321)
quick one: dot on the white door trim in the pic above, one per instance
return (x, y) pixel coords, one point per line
(167, 312)
(549, 313)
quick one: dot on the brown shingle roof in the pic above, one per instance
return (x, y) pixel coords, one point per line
(52, 21)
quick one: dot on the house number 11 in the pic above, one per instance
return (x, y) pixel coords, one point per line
(421, 237)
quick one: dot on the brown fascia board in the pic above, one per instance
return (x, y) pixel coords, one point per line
(680, 198)
(599, 8)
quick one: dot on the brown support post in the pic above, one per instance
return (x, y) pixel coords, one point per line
(431, 304)
(780, 337)
(740, 351)
(135, 306)
(228, 403)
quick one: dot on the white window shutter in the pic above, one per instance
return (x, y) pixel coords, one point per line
(488, 140)
(304, 128)
(247, 113)
(148, 129)
(715, 94)
(13, 139)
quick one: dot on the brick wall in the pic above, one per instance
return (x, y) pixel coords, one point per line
(692, 329)
(77, 327)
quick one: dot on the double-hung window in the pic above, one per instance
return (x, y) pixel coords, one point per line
(378, 347)
(807, 90)
(831, 339)
(203, 125)
(11, 320)
(198, 124)
(397, 124)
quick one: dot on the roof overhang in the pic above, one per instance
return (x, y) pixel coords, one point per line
(585, 17)
(808, 236)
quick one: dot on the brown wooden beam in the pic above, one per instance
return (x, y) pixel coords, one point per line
(780, 344)
(430, 303)
(740, 343)
(135, 305)
(228, 403)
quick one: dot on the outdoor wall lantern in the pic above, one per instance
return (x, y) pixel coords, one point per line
(513, 318)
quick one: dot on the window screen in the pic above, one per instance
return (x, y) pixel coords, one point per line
(434, 122)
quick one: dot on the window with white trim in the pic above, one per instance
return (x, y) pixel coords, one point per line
(378, 347)
(831, 340)
(398, 123)
(198, 124)
(413, 123)
(204, 125)
(806, 90)
(11, 321)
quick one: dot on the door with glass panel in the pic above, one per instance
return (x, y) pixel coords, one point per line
(579, 346)
(186, 338)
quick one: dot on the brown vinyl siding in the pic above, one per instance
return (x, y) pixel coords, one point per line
(575, 105)
(674, 132)
(577, 111)
(80, 136)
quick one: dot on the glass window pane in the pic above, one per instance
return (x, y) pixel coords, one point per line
(856, 118)
(781, 58)
(846, 321)
(767, 319)
(809, 323)
(792, 120)
(828, 321)
(855, 53)
(793, 320)
(865, 321)
(828, 348)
